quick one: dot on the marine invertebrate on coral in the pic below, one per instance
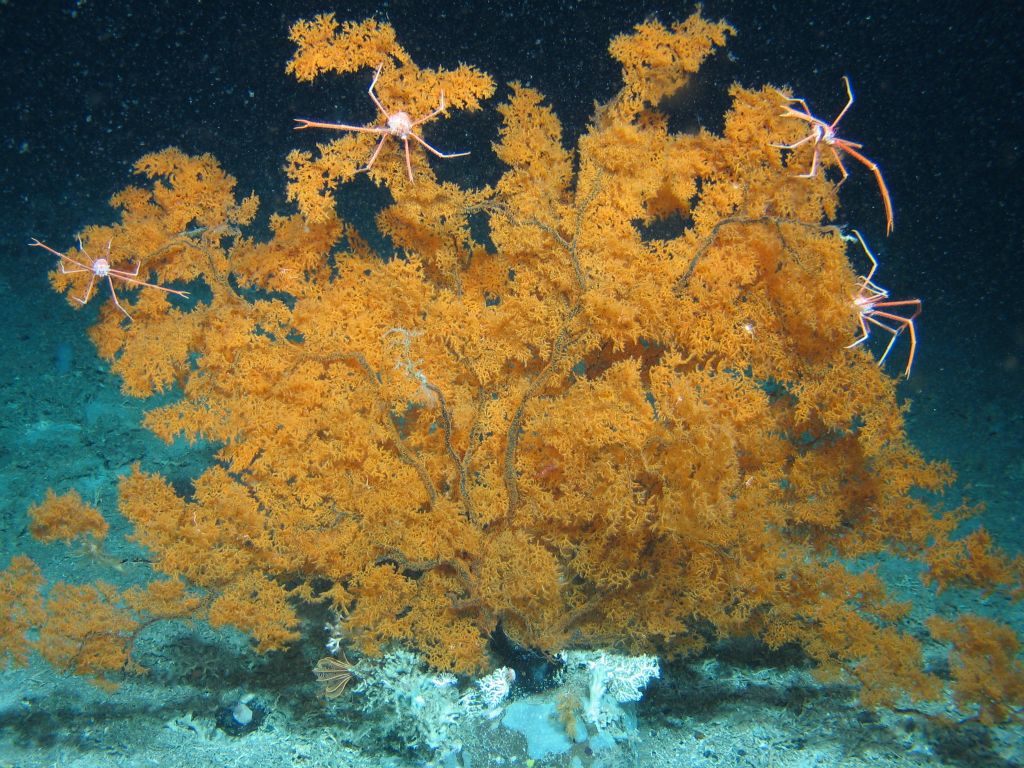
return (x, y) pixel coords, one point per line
(398, 124)
(335, 674)
(100, 269)
(877, 309)
(605, 402)
(824, 134)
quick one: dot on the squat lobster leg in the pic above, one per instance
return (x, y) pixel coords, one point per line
(871, 302)
(400, 125)
(823, 133)
(100, 268)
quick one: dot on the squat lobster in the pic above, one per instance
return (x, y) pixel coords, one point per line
(100, 268)
(871, 302)
(397, 124)
(823, 133)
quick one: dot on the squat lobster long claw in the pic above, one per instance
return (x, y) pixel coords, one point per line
(851, 149)
(823, 133)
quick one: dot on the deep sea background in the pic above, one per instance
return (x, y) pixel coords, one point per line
(87, 87)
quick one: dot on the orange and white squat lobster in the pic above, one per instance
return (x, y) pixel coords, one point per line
(100, 269)
(875, 309)
(824, 135)
(400, 125)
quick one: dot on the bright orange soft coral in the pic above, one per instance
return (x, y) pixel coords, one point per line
(607, 402)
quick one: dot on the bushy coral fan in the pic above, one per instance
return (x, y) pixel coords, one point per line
(607, 402)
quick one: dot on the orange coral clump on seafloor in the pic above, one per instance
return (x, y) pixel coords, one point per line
(66, 518)
(609, 401)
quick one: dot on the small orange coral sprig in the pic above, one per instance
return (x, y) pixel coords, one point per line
(988, 675)
(66, 518)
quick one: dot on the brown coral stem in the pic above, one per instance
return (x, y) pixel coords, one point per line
(776, 221)
(558, 348)
(404, 453)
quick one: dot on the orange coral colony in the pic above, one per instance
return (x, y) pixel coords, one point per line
(541, 412)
